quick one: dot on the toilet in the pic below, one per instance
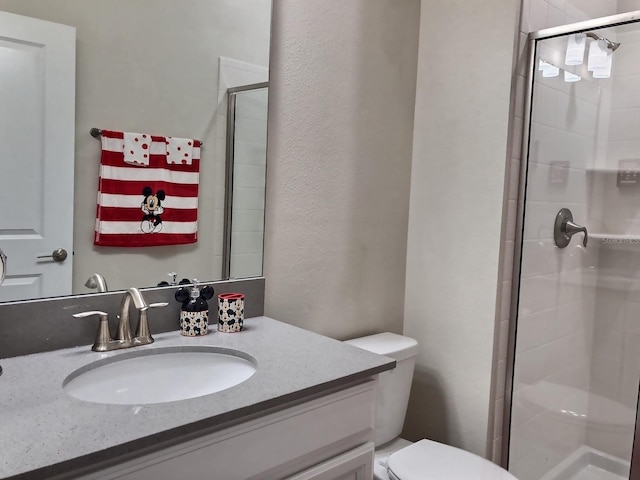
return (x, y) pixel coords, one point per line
(399, 459)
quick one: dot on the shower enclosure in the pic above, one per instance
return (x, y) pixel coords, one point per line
(576, 345)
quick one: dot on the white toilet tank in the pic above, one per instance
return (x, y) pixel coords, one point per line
(394, 385)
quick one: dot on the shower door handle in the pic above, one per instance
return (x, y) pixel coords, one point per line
(564, 229)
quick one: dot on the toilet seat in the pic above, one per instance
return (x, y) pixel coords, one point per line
(427, 459)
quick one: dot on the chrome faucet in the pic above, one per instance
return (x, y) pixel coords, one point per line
(124, 339)
(97, 281)
(103, 341)
(124, 325)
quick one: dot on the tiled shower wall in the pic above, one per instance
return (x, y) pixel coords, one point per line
(536, 15)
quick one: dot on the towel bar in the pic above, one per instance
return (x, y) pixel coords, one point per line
(96, 132)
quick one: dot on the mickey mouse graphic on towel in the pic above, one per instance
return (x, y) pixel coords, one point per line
(152, 208)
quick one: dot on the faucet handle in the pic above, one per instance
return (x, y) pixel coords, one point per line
(158, 305)
(143, 334)
(91, 313)
(103, 339)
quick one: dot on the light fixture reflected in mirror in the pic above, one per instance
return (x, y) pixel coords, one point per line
(548, 69)
(571, 77)
(575, 49)
(605, 71)
(597, 55)
(599, 58)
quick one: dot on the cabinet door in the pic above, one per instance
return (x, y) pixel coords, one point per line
(356, 464)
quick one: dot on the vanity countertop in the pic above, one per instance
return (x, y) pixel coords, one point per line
(44, 431)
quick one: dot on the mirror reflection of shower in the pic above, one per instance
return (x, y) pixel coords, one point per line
(599, 58)
(246, 153)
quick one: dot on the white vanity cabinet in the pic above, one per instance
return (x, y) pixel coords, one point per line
(356, 464)
(325, 436)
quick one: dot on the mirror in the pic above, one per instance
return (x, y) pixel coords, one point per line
(164, 67)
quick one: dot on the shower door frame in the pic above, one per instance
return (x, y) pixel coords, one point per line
(532, 41)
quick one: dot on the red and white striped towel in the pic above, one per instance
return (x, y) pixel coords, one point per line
(146, 205)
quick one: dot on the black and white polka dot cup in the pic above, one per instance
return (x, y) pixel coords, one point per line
(230, 312)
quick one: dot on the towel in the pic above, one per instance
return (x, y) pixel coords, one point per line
(136, 148)
(180, 150)
(146, 205)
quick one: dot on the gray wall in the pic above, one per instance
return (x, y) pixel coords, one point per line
(342, 98)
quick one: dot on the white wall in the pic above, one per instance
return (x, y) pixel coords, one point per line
(457, 189)
(339, 146)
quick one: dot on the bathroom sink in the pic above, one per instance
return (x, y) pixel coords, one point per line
(160, 375)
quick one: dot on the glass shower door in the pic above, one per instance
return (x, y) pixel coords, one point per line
(577, 347)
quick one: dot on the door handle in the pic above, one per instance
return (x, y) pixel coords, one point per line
(564, 229)
(58, 255)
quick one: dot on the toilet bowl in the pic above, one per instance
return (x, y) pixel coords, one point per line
(400, 459)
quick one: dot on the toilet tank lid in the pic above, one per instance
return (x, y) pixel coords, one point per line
(388, 344)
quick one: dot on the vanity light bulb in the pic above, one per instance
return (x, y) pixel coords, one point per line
(605, 71)
(598, 54)
(571, 77)
(575, 49)
(548, 70)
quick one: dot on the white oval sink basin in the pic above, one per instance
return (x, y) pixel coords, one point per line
(160, 375)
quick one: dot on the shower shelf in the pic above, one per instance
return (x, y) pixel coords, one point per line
(617, 240)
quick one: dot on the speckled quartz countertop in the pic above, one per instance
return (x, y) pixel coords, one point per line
(45, 432)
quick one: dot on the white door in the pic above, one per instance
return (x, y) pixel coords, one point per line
(37, 108)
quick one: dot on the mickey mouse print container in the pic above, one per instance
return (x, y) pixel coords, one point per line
(194, 314)
(230, 312)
